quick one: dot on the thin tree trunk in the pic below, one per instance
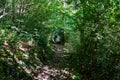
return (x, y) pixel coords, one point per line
(13, 11)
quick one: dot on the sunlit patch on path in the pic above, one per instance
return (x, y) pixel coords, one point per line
(47, 73)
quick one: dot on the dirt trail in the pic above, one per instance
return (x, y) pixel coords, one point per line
(56, 69)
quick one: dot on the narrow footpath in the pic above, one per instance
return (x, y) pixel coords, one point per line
(56, 69)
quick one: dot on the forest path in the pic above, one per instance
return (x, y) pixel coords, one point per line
(56, 69)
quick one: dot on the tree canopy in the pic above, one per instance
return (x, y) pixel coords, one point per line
(90, 38)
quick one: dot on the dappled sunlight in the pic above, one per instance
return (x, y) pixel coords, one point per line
(22, 56)
(42, 73)
(48, 73)
(59, 40)
(37, 70)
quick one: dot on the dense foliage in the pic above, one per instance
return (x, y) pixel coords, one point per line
(91, 37)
